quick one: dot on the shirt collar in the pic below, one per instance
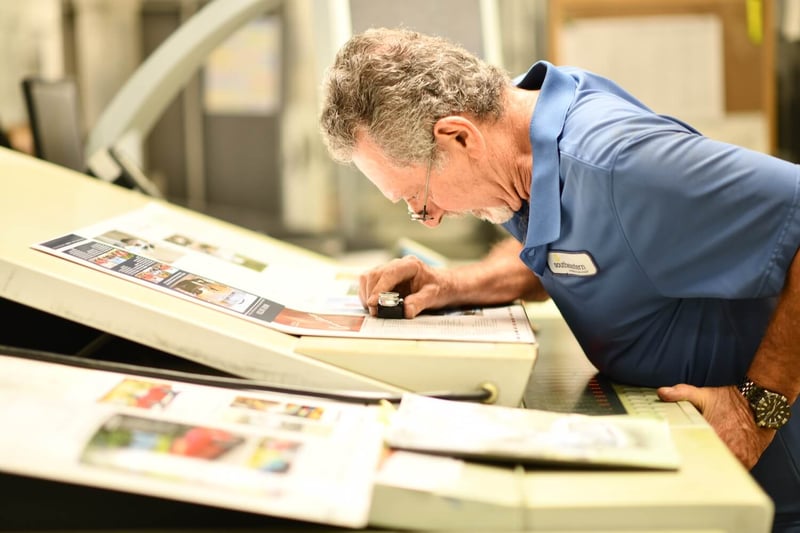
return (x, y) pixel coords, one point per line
(557, 91)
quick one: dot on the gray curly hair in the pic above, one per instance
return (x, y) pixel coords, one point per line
(394, 84)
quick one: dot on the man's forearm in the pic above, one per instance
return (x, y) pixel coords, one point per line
(500, 277)
(776, 365)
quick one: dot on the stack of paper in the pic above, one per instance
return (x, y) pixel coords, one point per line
(486, 432)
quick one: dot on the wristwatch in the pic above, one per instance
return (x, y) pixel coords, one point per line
(770, 409)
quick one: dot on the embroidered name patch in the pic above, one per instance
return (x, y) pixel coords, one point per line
(571, 263)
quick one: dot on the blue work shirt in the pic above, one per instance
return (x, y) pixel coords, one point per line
(664, 250)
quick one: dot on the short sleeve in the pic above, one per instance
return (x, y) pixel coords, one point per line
(705, 218)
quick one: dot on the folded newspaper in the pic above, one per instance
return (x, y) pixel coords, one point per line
(494, 433)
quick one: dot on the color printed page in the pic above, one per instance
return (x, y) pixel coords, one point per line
(275, 454)
(263, 281)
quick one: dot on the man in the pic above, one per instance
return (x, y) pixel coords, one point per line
(672, 257)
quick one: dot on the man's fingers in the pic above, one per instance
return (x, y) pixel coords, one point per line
(423, 299)
(680, 392)
(694, 395)
(389, 277)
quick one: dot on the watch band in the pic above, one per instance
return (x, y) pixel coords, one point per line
(747, 387)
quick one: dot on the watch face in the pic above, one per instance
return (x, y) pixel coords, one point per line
(771, 410)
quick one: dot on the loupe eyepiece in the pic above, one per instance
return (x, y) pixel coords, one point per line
(390, 305)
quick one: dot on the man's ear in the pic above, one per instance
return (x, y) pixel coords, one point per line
(455, 133)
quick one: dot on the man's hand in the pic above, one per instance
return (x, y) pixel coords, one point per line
(729, 414)
(421, 286)
(498, 278)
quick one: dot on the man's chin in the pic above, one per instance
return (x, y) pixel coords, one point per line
(495, 215)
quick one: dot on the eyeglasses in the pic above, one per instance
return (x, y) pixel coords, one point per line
(422, 216)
